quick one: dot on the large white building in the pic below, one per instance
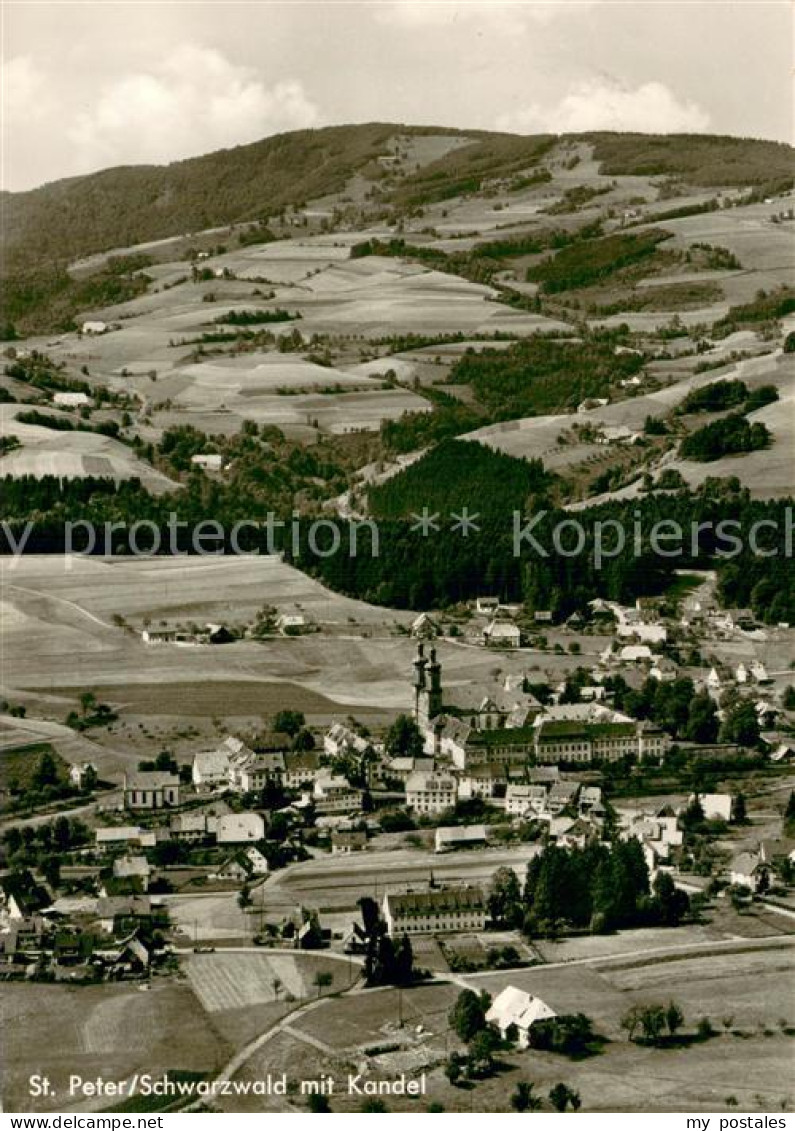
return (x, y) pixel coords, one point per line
(431, 793)
(437, 911)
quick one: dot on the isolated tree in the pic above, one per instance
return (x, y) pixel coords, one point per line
(652, 1021)
(318, 1103)
(244, 898)
(454, 1068)
(504, 898)
(674, 1017)
(739, 811)
(468, 1015)
(561, 1096)
(524, 1097)
(289, 722)
(46, 772)
(631, 1021)
(322, 980)
(88, 702)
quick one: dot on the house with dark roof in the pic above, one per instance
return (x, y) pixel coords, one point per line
(24, 897)
(435, 911)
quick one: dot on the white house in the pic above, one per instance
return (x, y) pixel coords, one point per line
(502, 634)
(82, 774)
(94, 327)
(208, 461)
(514, 1008)
(211, 767)
(635, 654)
(430, 793)
(291, 623)
(71, 400)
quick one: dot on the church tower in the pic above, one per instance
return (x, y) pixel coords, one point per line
(435, 691)
(420, 685)
(427, 688)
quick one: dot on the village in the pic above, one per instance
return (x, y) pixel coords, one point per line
(472, 783)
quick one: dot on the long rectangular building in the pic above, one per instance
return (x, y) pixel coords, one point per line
(436, 911)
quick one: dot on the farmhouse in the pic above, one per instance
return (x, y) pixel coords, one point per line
(513, 1009)
(151, 789)
(525, 800)
(188, 827)
(341, 739)
(133, 870)
(501, 634)
(159, 635)
(245, 864)
(94, 327)
(424, 627)
(291, 624)
(436, 911)
(749, 870)
(487, 606)
(300, 769)
(123, 914)
(256, 771)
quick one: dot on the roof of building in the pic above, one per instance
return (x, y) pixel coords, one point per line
(150, 779)
(430, 783)
(127, 867)
(116, 905)
(436, 901)
(516, 1007)
(461, 834)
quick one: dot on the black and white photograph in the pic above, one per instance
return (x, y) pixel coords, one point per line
(397, 564)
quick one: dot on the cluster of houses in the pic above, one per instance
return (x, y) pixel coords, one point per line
(107, 938)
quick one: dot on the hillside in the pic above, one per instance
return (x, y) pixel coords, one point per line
(130, 205)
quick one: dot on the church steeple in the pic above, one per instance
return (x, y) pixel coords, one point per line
(435, 692)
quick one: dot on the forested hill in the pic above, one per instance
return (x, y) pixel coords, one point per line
(133, 204)
(127, 205)
(458, 474)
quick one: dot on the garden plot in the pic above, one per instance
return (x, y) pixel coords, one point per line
(231, 981)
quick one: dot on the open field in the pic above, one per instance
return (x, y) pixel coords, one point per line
(750, 1064)
(233, 981)
(107, 1030)
(73, 455)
